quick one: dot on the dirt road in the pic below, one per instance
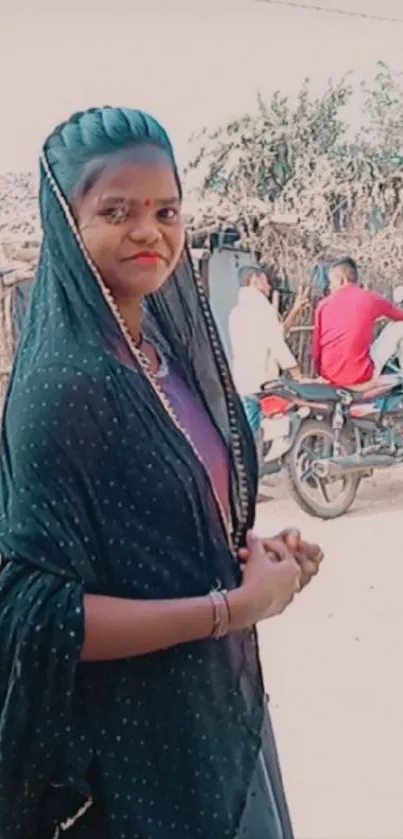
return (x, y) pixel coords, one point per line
(333, 667)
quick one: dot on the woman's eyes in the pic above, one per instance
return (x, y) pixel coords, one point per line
(168, 214)
(117, 215)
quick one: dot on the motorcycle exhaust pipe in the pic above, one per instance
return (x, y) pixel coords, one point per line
(352, 464)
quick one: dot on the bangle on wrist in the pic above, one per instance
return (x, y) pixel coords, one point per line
(221, 614)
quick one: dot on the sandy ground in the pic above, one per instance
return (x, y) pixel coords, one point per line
(333, 667)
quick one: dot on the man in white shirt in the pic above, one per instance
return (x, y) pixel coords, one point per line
(259, 349)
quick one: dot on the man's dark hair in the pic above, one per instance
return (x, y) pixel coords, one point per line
(350, 266)
(246, 272)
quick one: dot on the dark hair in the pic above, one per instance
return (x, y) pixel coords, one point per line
(146, 151)
(246, 272)
(350, 266)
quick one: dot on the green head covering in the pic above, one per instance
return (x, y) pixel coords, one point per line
(97, 133)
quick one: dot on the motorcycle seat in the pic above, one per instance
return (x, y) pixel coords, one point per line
(324, 392)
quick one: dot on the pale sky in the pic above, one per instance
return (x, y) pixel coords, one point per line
(189, 62)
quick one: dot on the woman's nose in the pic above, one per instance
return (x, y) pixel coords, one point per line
(146, 232)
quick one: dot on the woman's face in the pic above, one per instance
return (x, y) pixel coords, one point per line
(130, 223)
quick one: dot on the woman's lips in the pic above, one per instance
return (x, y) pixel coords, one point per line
(145, 258)
(148, 259)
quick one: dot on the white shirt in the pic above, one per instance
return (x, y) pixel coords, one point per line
(259, 349)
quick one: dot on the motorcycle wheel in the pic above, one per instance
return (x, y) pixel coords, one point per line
(313, 495)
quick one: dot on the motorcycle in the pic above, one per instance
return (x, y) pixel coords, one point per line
(328, 439)
(355, 433)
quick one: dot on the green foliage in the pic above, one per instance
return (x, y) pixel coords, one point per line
(261, 149)
(383, 105)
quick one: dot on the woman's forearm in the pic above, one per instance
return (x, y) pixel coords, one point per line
(117, 628)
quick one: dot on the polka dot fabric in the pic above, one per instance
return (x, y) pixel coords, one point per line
(100, 492)
(104, 506)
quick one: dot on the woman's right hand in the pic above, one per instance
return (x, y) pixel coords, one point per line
(270, 581)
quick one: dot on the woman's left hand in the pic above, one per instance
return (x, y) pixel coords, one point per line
(308, 555)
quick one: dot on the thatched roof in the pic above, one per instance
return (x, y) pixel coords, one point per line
(207, 218)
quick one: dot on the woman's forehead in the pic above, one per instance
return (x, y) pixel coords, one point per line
(138, 182)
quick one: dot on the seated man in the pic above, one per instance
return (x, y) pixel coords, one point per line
(259, 349)
(344, 350)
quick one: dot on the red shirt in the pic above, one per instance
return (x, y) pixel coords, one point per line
(344, 332)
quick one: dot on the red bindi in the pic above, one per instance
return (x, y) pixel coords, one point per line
(147, 203)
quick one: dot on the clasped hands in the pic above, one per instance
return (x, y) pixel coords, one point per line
(287, 544)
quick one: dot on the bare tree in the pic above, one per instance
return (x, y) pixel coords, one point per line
(298, 192)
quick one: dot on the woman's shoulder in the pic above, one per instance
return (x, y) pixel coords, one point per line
(59, 372)
(58, 388)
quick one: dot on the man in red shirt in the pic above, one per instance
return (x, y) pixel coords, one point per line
(344, 350)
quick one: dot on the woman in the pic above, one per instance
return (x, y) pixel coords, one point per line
(132, 700)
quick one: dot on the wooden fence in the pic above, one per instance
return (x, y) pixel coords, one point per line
(299, 337)
(8, 333)
(6, 337)
(300, 343)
